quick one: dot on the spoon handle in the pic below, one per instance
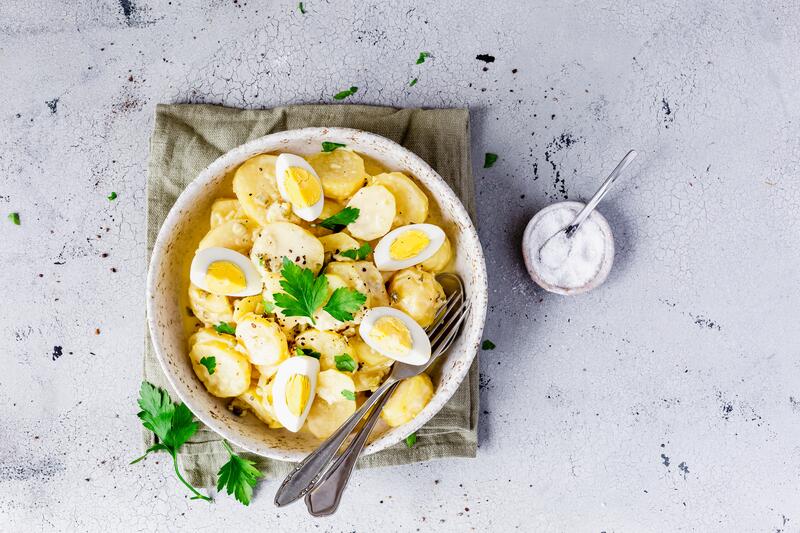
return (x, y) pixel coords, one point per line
(601, 192)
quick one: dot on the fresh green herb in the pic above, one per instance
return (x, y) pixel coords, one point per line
(304, 292)
(210, 363)
(173, 424)
(422, 57)
(350, 395)
(344, 94)
(224, 327)
(328, 146)
(344, 302)
(358, 254)
(301, 8)
(341, 219)
(411, 440)
(488, 345)
(489, 159)
(413, 82)
(269, 307)
(345, 363)
(307, 352)
(238, 476)
(14, 218)
(112, 196)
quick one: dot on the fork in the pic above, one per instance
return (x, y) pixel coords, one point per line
(317, 464)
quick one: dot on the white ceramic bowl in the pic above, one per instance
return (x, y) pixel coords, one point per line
(187, 221)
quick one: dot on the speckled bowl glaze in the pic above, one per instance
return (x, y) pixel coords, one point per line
(188, 220)
(608, 253)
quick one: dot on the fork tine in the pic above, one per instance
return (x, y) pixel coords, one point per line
(452, 332)
(451, 307)
(443, 309)
(455, 318)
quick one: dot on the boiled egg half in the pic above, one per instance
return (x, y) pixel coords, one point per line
(299, 185)
(293, 390)
(224, 272)
(408, 246)
(394, 334)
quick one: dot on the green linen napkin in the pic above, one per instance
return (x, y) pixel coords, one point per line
(186, 138)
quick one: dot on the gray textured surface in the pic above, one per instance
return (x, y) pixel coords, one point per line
(667, 399)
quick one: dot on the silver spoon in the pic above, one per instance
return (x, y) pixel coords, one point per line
(557, 248)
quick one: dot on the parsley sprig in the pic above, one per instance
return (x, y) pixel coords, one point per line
(210, 363)
(328, 146)
(238, 476)
(357, 254)
(308, 352)
(345, 363)
(341, 219)
(224, 327)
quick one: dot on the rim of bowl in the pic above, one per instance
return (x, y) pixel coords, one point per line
(608, 252)
(468, 237)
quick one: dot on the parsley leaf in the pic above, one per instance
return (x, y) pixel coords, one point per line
(357, 254)
(210, 363)
(344, 94)
(328, 146)
(422, 57)
(489, 160)
(269, 307)
(412, 82)
(14, 218)
(345, 363)
(344, 302)
(350, 395)
(112, 196)
(224, 327)
(238, 476)
(487, 345)
(307, 352)
(341, 219)
(301, 8)
(411, 440)
(304, 293)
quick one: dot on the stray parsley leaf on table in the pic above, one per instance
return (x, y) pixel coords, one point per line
(350, 395)
(238, 476)
(341, 219)
(345, 363)
(412, 82)
(307, 352)
(14, 218)
(344, 94)
(422, 57)
(357, 254)
(210, 363)
(302, 8)
(304, 292)
(112, 196)
(488, 345)
(489, 160)
(224, 327)
(411, 440)
(328, 146)
(344, 302)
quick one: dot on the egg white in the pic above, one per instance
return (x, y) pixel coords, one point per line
(203, 259)
(383, 259)
(301, 364)
(420, 351)
(286, 161)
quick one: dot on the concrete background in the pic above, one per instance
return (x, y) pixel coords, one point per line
(666, 400)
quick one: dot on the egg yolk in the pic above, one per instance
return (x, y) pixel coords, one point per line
(391, 335)
(224, 277)
(298, 390)
(302, 188)
(408, 245)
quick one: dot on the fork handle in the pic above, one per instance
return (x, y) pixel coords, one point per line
(309, 470)
(324, 497)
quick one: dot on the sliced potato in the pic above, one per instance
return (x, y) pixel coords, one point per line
(417, 293)
(368, 357)
(372, 166)
(266, 372)
(248, 305)
(236, 235)
(281, 212)
(260, 407)
(341, 172)
(226, 209)
(411, 201)
(292, 325)
(209, 335)
(255, 186)
(377, 208)
(263, 339)
(370, 379)
(439, 261)
(324, 418)
(364, 277)
(324, 321)
(336, 243)
(211, 309)
(231, 375)
(331, 383)
(284, 239)
(408, 400)
(327, 343)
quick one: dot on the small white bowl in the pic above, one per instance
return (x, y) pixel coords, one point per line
(187, 221)
(528, 248)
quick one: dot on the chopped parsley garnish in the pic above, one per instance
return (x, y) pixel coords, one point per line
(488, 345)
(489, 160)
(411, 440)
(112, 196)
(210, 363)
(14, 218)
(305, 293)
(341, 219)
(357, 254)
(344, 302)
(328, 146)
(224, 327)
(269, 307)
(350, 395)
(344, 94)
(307, 352)
(345, 363)
(422, 57)
(301, 8)
(413, 82)
(238, 476)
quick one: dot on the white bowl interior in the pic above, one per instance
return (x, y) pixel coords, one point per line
(188, 221)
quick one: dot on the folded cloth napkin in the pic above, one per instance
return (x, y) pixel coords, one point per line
(186, 138)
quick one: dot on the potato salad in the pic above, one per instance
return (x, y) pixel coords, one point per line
(310, 283)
